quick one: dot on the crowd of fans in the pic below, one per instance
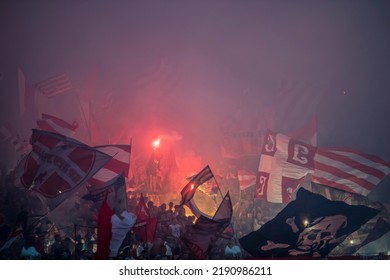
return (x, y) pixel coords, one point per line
(71, 231)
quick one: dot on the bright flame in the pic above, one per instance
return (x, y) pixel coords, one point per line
(156, 143)
(305, 222)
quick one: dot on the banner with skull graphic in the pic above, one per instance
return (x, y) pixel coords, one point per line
(309, 226)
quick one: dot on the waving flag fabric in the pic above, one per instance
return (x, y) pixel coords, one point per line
(285, 161)
(202, 234)
(58, 165)
(195, 181)
(246, 179)
(119, 163)
(349, 170)
(104, 233)
(225, 209)
(310, 226)
(55, 85)
(98, 192)
(112, 230)
(121, 225)
(57, 125)
(356, 239)
(196, 211)
(145, 226)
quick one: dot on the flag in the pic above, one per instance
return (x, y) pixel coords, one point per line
(97, 193)
(349, 170)
(190, 188)
(119, 163)
(55, 85)
(57, 125)
(353, 242)
(225, 210)
(246, 179)
(309, 226)
(381, 228)
(224, 213)
(104, 233)
(200, 236)
(58, 165)
(285, 161)
(112, 230)
(281, 169)
(121, 225)
(196, 211)
(145, 226)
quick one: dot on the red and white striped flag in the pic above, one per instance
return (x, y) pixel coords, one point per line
(246, 179)
(285, 161)
(57, 125)
(119, 163)
(55, 85)
(349, 170)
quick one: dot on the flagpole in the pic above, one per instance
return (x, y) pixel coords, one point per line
(85, 118)
(215, 179)
(128, 171)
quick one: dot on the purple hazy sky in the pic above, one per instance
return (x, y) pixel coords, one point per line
(187, 66)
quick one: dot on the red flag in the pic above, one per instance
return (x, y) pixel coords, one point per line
(57, 125)
(104, 233)
(58, 166)
(145, 226)
(97, 193)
